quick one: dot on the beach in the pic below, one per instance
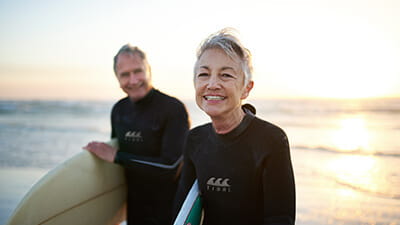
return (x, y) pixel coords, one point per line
(345, 153)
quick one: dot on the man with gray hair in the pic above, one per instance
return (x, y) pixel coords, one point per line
(150, 127)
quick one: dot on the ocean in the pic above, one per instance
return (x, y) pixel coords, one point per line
(345, 153)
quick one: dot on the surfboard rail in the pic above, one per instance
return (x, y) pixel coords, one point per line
(191, 212)
(82, 190)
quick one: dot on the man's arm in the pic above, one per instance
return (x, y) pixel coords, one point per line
(175, 134)
(185, 183)
(104, 151)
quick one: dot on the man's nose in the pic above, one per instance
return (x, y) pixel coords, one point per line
(133, 79)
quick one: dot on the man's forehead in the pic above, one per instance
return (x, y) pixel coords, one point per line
(127, 60)
(128, 56)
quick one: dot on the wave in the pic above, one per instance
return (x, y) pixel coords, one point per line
(351, 152)
(51, 128)
(364, 189)
(48, 107)
(281, 106)
(329, 106)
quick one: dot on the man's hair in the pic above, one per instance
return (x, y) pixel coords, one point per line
(130, 50)
(227, 41)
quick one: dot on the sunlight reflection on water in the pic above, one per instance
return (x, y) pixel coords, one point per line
(362, 172)
(352, 135)
(355, 171)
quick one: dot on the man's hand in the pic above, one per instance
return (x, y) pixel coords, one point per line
(101, 150)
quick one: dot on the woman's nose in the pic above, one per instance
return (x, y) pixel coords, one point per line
(213, 82)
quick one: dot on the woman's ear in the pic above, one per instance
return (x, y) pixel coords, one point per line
(247, 89)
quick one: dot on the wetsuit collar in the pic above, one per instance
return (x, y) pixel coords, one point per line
(237, 131)
(146, 99)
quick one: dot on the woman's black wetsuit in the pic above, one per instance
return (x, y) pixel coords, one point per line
(245, 176)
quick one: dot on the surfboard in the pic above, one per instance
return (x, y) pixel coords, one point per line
(191, 212)
(82, 190)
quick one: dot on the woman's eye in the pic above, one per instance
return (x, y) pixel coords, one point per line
(226, 75)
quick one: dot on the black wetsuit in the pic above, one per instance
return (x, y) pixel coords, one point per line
(245, 176)
(152, 129)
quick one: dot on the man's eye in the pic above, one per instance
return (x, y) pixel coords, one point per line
(202, 74)
(124, 74)
(138, 71)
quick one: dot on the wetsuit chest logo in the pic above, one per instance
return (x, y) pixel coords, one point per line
(218, 184)
(133, 136)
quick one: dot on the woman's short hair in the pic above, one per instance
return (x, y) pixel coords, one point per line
(227, 41)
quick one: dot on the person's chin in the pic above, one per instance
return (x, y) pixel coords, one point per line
(137, 95)
(212, 111)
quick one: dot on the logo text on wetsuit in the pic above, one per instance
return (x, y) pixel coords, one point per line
(134, 136)
(218, 184)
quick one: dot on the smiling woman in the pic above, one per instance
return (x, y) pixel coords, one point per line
(250, 155)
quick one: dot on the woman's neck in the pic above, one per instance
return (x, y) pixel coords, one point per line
(225, 124)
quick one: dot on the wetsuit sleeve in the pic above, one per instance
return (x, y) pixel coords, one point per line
(279, 186)
(187, 178)
(113, 133)
(173, 136)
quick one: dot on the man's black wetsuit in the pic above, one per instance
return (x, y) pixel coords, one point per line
(245, 176)
(152, 129)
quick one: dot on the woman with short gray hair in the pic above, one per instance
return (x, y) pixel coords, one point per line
(242, 163)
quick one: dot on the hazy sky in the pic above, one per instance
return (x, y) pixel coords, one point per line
(311, 48)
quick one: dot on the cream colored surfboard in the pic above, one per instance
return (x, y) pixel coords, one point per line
(83, 190)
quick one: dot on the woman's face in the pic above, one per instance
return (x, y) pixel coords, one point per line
(219, 84)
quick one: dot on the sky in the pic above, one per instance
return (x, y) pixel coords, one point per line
(301, 48)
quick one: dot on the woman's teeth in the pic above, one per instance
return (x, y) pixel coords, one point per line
(208, 97)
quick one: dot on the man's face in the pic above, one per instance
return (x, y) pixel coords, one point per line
(133, 74)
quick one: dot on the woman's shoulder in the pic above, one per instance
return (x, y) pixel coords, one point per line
(269, 130)
(261, 124)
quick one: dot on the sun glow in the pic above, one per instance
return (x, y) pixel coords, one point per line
(305, 49)
(352, 135)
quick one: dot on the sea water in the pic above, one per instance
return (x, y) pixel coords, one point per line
(345, 153)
